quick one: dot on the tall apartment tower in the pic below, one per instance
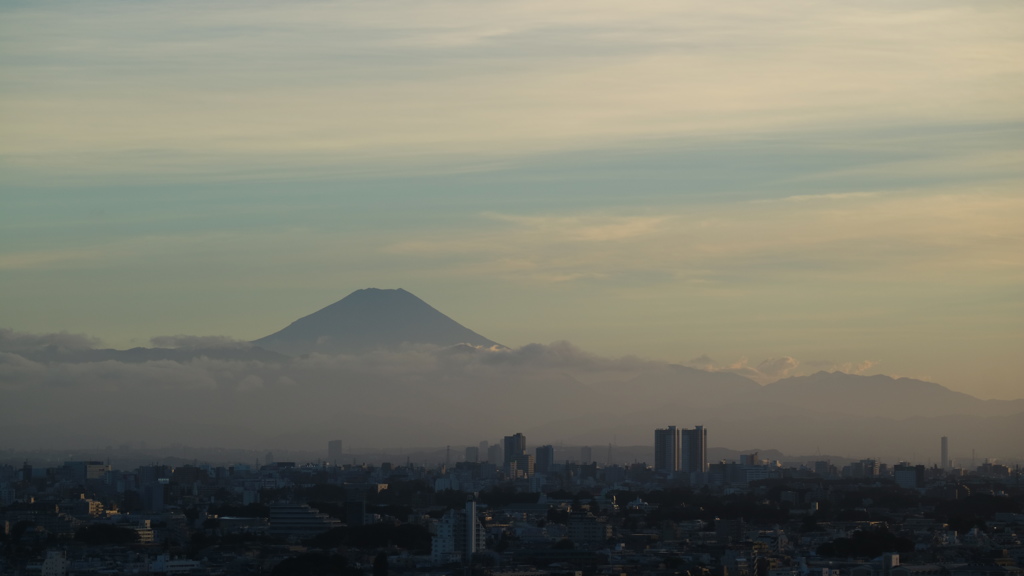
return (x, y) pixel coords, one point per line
(545, 458)
(694, 450)
(515, 446)
(471, 535)
(945, 453)
(334, 452)
(586, 455)
(666, 449)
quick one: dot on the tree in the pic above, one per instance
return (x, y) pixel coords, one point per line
(380, 564)
(314, 565)
(564, 544)
(102, 534)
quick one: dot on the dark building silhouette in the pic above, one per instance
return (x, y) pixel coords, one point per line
(545, 459)
(515, 446)
(666, 450)
(693, 450)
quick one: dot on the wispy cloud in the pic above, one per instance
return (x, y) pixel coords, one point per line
(843, 235)
(335, 84)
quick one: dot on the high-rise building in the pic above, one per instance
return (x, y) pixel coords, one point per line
(694, 450)
(666, 449)
(521, 466)
(458, 536)
(334, 452)
(471, 536)
(472, 454)
(944, 462)
(908, 476)
(545, 459)
(494, 454)
(515, 446)
(586, 455)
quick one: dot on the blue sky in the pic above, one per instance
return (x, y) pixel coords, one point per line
(835, 184)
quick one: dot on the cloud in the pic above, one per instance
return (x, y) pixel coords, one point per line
(855, 367)
(772, 369)
(778, 367)
(446, 80)
(207, 395)
(560, 355)
(20, 342)
(830, 237)
(703, 362)
(420, 394)
(185, 341)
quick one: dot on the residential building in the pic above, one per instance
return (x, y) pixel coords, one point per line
(666, 450)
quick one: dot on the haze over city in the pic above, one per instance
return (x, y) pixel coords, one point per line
(613, 195)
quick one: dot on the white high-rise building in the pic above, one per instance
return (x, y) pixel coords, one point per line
(459, 535)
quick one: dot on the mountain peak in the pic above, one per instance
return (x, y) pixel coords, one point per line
(371, 318)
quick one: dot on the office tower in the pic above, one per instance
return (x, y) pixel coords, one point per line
(515, 446)
(666, 449)
(944, 462)
(494, 454)
(472, 454)
(908, 476)
(586, 455)
(823, 468)
(522, 465)
(694, 450)
(334, 452)
(545, 459)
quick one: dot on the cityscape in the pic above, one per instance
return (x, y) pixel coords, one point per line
(511, 288)
(682, 503)
(506, 508)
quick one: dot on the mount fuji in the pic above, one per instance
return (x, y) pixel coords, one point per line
(369, 319)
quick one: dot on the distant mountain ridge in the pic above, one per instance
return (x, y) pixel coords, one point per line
(311, 381)
(368, 319)
(880, 395)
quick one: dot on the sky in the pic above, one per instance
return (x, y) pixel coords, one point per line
(785, 187)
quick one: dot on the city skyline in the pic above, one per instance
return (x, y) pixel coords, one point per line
(282, 517)
(771, 190)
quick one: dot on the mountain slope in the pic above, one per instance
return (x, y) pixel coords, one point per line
(879, 396)
(368, 319)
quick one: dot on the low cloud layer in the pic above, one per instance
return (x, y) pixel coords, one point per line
(183, 341)
(773, 369)
(426, 395)
(20, 342)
